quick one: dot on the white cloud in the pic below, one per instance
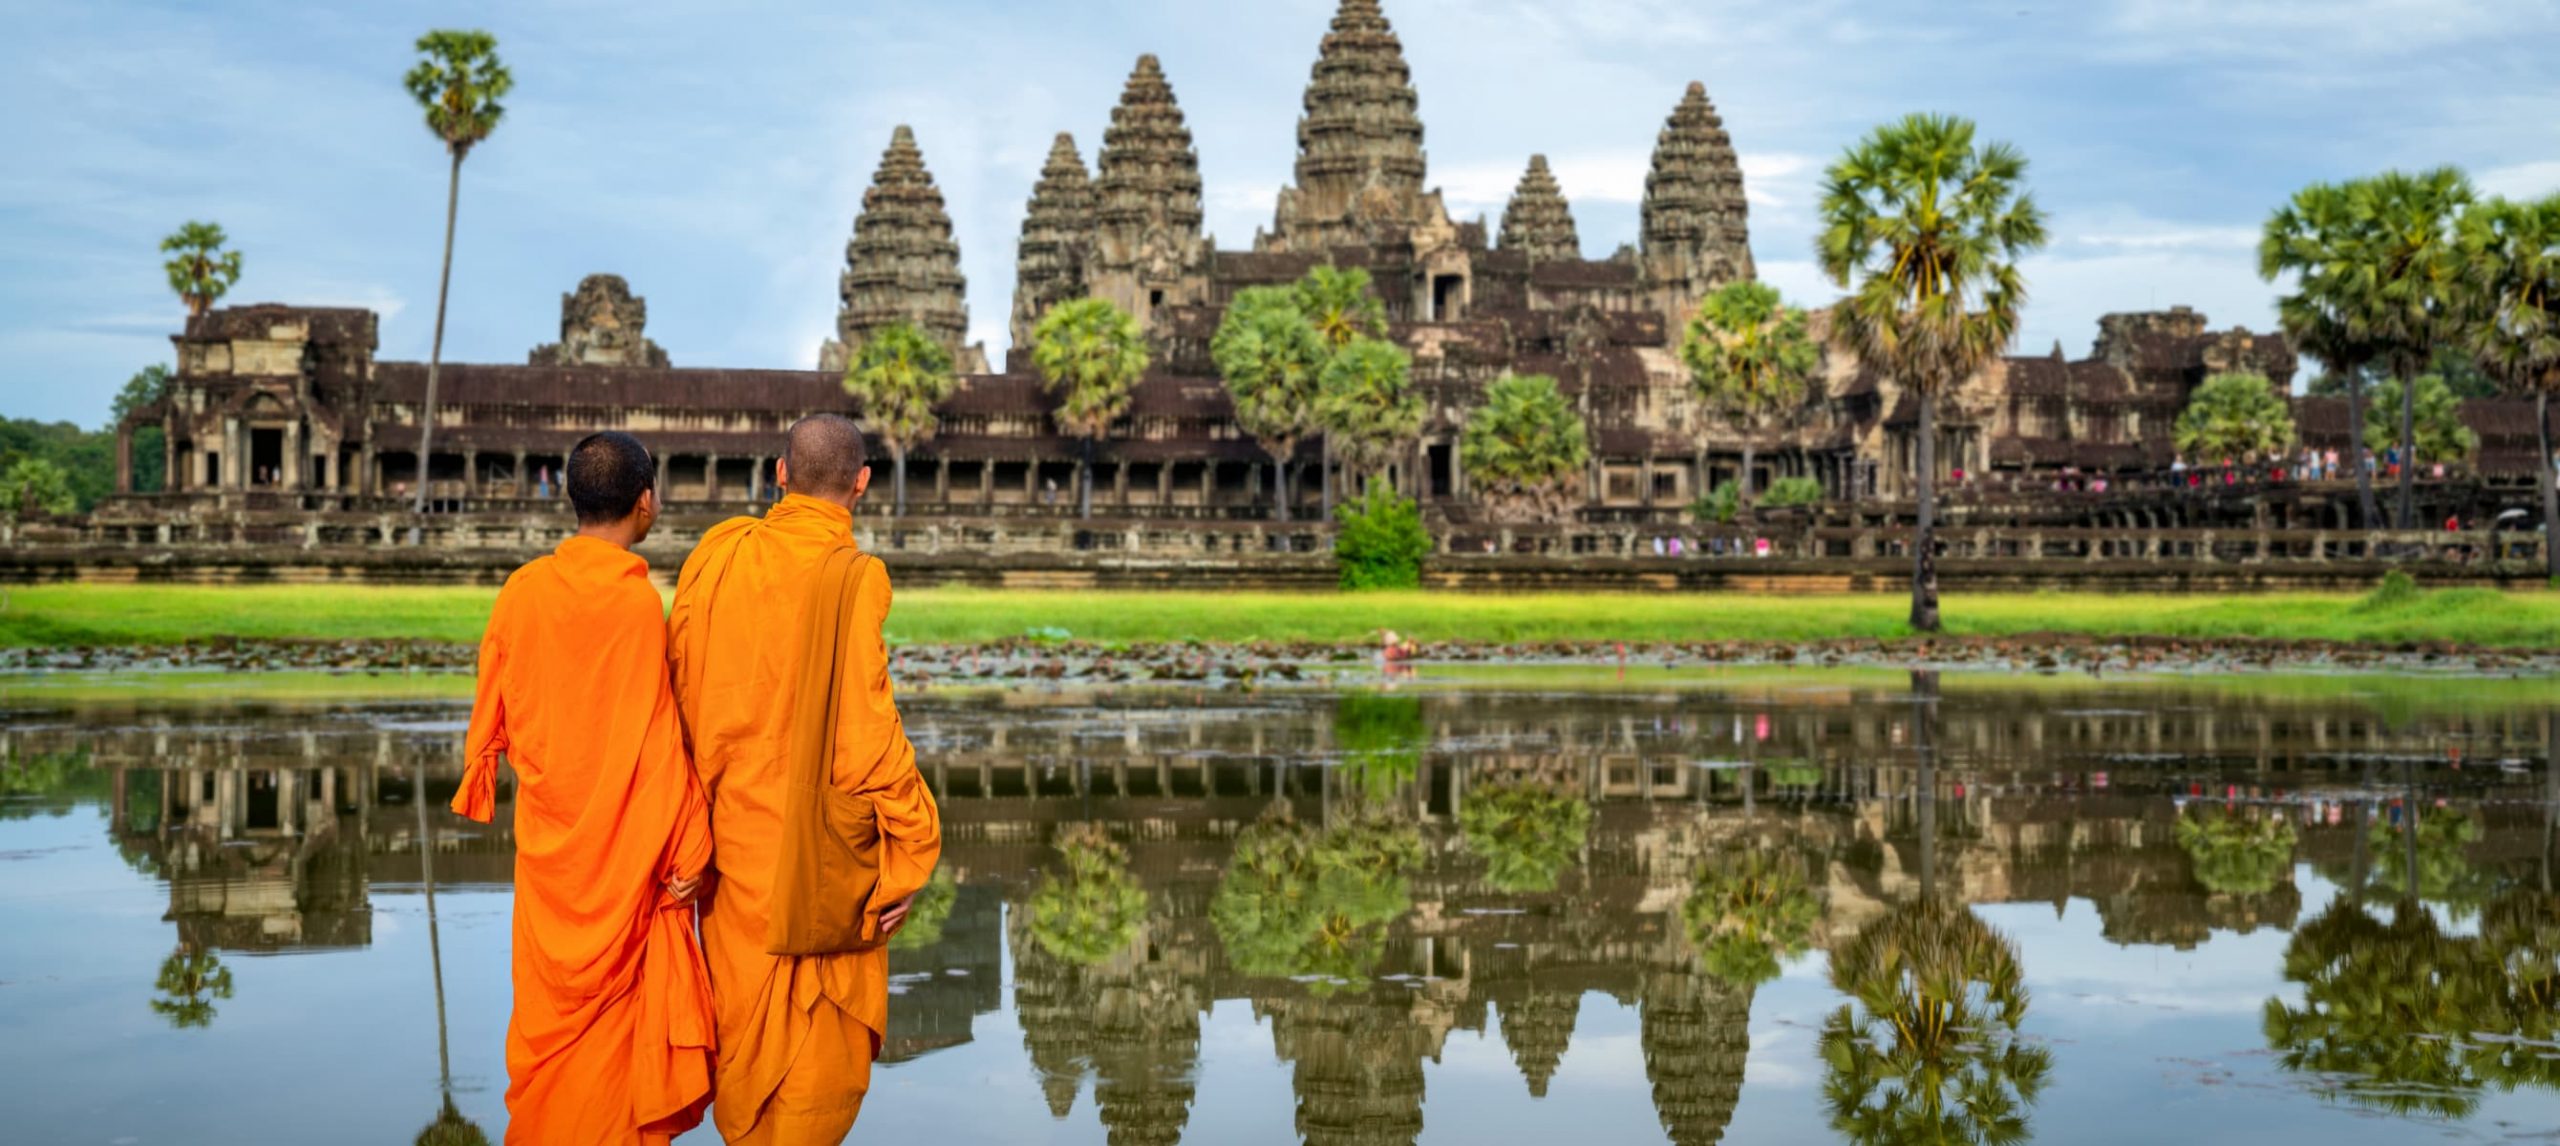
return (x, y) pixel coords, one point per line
(2521, 180)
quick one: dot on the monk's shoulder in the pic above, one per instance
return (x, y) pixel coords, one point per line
(714, 540)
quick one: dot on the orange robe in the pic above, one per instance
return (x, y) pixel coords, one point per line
(611, 1037)
(797, 1033)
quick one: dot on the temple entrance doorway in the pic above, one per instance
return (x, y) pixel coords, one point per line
(266, 456)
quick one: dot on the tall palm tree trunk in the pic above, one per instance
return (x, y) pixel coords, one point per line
(1280, 482)
(2408, 449)
(1924, 711)
(2550, 469)
(2357, 455)
(1742, 484)
(1924, 559)
(1084, 479)
(898, 478)
(435, 351)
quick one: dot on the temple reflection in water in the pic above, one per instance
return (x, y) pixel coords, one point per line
(1371, 873)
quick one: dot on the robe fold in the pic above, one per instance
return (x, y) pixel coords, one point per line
(611, 1037)
(797, 1034)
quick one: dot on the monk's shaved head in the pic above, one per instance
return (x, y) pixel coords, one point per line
(825, 455)
(607, 473)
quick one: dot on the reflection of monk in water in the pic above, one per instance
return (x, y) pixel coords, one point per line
(798, 1030)
(611, 1037)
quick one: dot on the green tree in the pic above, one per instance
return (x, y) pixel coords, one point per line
(1338, 303)
(148, 385)
(200, 271)
(2403, 273)
(932, 909)
(1270, 357)
(1094, 910)
(2235, 417)
(1748, 911)
(1925, 228)
(2511, 272)
(85, 459)
(1527, 833)
(1928, 1049)
(1381, 541)
(1749, 360)
(1366, 402)
(1525, 448)
(457, 81)
(32, 486)
(2312, 238)
(2433, 420)
(1091, 355)
(2386, 1011)
(190, 980)
(899, 376)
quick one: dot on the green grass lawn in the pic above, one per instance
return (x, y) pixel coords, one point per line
(110, 615)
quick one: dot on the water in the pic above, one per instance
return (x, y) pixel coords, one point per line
(1545, 908)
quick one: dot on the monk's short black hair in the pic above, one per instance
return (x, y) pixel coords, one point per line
(825, 452)
(607, 473)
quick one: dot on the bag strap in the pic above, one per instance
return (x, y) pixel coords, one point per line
(825, 654)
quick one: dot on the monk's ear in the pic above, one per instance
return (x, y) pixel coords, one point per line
(782, 474)
(861, 481)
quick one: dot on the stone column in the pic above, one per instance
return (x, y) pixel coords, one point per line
(942, 480)
(171, 477)
(470, 473)
(711, 478)
(661, 479)
(293, 459)
(755, 480)
(234, 474)
(986, 481)
(522, 489)
(1120, 483)
(124, 460)
(1208, 483)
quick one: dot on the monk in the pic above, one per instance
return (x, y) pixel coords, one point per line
(610, 1042)
(797, 1033)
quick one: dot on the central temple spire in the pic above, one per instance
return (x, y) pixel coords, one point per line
(1146, 202)
(902, 264)
(1696, 224)
(1360, 159)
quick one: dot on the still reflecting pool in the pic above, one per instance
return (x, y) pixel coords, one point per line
(1785, 908)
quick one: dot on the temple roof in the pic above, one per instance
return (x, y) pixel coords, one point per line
(1150, 172)
(903, 264)
(1537, 221)
(1694, 215)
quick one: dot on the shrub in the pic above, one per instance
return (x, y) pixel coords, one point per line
(2397, 589)
(1719, 504)
(1381, 542)
(1789, 491)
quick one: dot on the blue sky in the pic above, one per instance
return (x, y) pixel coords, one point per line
(716, 157)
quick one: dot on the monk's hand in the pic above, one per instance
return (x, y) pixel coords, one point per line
(686, 889)
(894, 916)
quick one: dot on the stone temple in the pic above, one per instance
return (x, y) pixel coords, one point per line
(274, 399)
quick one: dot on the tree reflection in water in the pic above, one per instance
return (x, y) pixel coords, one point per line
(1301, 902)
(190, 979)
(1526, 832)
(2400, 1016)
(2237, 854)
(1928, 1049)
(1750, 910)
(2446, 876)
(931, 910)
(1094, 910)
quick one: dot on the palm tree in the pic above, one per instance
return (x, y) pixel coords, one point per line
(1749, 359)
(1095, 909)
(1338, 304)
(1926, 228)
(1928, 1049)
(34, 486)
(1748, 910)
(899, 376)
(2235, 417)
(2511, 271)
(458, 82)
(1366, 402)
(2232, 854)
(1525, 447)
(2404, 273)
(1270, 357)
(199, 269)
(2310, 238)
(190, 979)
(1091, 354)
(2430, 428)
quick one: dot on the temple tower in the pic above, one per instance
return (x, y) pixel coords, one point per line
(1147, 250)
(601, 324)
(902, 264)
(1696, 230)
(1360, 159)
(1056, 232)
(1537, 221)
